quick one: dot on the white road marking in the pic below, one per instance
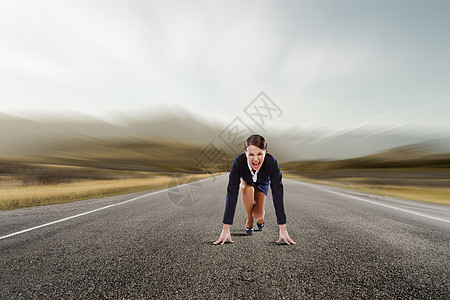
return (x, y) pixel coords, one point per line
(369, 201)
(97, 209)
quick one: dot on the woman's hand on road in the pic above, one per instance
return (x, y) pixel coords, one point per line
(284, 235)
(224, 235)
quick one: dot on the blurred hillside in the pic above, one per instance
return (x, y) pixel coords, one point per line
(55, 149)
(407, 166)
(150, 155)
(93, 159)
(417, 156)
(50, 135)
(167, 141)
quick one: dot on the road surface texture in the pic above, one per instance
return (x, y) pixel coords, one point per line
(158, 245)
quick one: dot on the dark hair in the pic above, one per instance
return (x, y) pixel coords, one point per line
(256, 140)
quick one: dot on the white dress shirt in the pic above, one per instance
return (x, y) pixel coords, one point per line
(254, 174)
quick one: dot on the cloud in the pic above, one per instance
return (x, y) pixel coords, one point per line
(323, 63)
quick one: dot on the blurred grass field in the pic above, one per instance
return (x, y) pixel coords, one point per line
(99, 169)
(430, 194)
(404, 172)
(24, 196)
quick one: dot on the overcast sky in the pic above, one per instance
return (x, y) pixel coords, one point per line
(330, 64)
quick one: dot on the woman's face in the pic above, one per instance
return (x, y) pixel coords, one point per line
(255, 156)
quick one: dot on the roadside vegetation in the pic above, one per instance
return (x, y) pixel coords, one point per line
(99, 169)
(103, 169)
(403, 172)
(32, 195)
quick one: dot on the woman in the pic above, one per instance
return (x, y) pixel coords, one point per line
(250, 173)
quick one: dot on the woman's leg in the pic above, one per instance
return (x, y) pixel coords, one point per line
(247, 194)
(254, 201)
(258, 208)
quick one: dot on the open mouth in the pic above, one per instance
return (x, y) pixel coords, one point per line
(255, 164)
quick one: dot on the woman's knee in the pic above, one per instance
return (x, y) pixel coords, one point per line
(246, 188)
(248, 193)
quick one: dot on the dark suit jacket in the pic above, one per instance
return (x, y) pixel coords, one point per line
(269, 172)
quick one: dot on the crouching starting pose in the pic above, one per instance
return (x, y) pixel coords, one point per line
(251, 173)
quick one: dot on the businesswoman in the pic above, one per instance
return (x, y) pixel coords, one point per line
(250, 174)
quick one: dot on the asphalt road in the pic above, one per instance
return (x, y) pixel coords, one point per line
(159, 246)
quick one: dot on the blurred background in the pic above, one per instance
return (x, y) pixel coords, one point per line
(356, 93)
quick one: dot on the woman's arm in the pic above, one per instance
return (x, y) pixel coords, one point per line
(276, 185)
(232, 194)
(230, 206)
